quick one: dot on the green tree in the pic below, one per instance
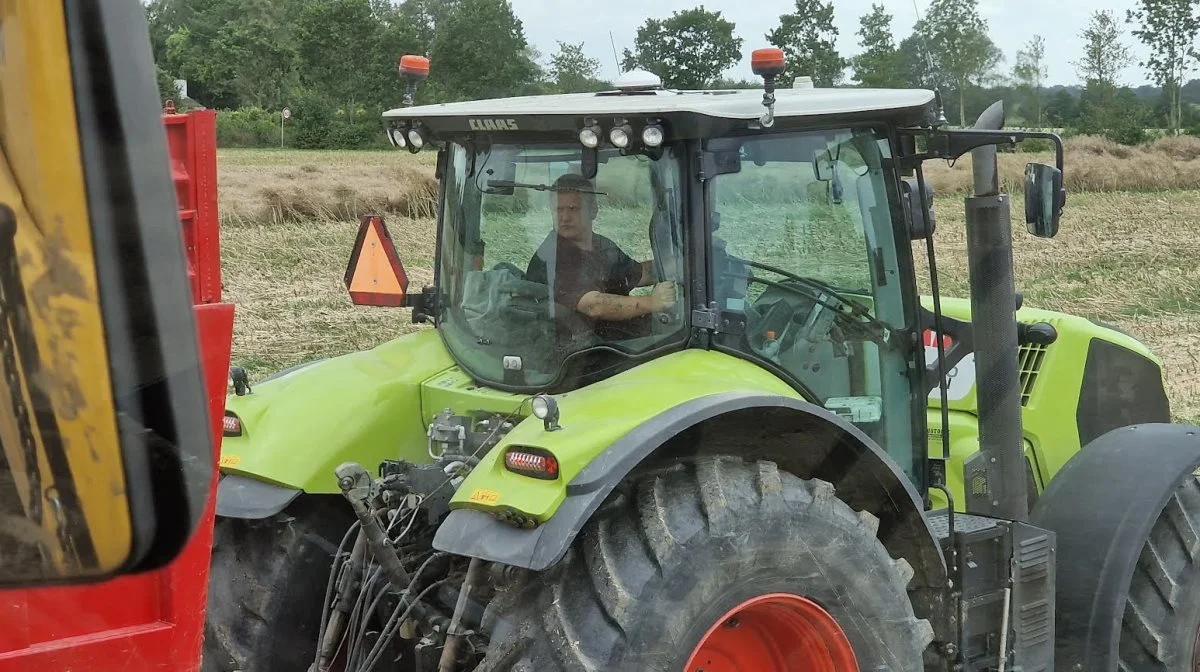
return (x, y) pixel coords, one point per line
(336, 40)
(917, 66)
(959, 38)
(166, 85)
(424, 16)
(480, 52)
(1168, 28)
(1029, 73)
(574, 71)
(349, 50)
(728, 83)
(1104, 54)
(879, 63)
(1062, 109)
(232, 52)
(1117, 114)
(261, 69)
(809, 39)
(688, 50)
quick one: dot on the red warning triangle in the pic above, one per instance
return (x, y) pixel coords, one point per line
(375, 276)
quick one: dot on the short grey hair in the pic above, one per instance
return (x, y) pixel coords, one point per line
(576, 183)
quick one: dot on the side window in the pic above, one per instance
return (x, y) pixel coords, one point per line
(803, 252)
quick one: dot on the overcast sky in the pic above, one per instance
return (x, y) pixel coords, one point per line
(1010, 22)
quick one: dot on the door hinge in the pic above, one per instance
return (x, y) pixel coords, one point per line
(707, 318)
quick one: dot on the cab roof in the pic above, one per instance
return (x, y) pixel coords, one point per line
(740, 104)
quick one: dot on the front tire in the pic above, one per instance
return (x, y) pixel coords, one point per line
(1161, 628)
(666, 561)
(267, 585)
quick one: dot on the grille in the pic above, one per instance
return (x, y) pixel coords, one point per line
(1030, 358)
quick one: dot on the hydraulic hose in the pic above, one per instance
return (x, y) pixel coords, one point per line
(355, 484)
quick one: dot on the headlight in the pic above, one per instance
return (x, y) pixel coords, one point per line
(545, 408)
(620, 135)
(652, 136)
(398, 138)
(541, 406)
(415, 138)
(590, 137)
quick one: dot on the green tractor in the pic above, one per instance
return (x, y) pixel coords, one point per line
(683, 407)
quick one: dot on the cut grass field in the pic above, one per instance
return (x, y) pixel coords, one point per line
(289, 218)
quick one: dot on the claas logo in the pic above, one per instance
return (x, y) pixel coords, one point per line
(493, 124)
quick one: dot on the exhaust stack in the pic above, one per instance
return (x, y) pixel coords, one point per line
(995, 477)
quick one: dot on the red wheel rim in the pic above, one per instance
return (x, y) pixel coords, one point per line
(1196, 653)
(774, 632)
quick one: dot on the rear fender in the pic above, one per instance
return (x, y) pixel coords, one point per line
(802, 438)
(1102, 506)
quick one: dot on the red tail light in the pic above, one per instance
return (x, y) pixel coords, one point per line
(532, 462)
(231, 425)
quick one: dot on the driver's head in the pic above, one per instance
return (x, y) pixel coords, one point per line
(574, 207)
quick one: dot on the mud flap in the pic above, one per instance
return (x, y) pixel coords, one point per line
(247, 498)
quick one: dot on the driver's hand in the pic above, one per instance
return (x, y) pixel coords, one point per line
(662, 298)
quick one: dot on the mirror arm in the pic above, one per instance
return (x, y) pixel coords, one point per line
(952, 144)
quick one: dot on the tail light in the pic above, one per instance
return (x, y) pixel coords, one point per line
(532, 462)
(231, 425)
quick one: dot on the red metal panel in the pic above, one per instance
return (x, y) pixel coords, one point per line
(192, 139)
(153, 621)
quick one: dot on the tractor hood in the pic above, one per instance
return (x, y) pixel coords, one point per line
(365, 407)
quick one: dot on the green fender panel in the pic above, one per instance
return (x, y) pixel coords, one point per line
(364, 407)
(594, 417)
(1052, 380)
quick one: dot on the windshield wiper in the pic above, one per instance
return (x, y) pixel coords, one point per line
(509, 184)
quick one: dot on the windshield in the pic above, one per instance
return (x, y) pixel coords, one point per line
(550, 278)
(804, 254)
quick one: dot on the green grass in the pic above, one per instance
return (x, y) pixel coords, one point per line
(1122, 257)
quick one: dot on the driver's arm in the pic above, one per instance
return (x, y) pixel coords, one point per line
(616, 308)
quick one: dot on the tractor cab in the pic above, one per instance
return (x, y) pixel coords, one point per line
(582, 235)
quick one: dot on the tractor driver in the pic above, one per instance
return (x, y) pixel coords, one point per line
(590, 272)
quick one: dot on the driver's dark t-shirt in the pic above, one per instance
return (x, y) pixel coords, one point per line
(604, 268)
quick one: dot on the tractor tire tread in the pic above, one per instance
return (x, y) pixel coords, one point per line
(582, 614)
(257, 569)
(1158, 594)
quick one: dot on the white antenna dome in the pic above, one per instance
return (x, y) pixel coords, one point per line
(638, 80)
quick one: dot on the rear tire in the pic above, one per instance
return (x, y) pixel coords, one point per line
(267, 585)
(670, 556)
(1162, 613)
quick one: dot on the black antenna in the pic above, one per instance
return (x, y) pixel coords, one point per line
(937, 92)
(614, 48)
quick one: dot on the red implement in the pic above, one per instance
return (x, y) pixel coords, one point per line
(151, 621)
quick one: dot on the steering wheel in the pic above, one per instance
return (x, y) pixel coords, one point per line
(812, 282)
(857, 323)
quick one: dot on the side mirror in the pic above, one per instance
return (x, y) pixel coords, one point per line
(1044, 199)
(922, 222)
(106, 440)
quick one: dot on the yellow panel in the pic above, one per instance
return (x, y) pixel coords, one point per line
(57, 400)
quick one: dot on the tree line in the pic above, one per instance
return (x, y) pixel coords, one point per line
(333, 62)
